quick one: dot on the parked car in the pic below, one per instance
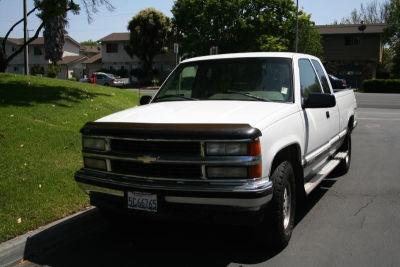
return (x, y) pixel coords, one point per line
(238, 138)
(337, 83)
(106, 79)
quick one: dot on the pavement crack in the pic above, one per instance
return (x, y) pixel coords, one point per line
(362, 222)
(363, 207)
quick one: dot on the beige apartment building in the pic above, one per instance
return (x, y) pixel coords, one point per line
(115, 57)
(70, 64)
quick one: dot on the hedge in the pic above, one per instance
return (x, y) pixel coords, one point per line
(381, 86)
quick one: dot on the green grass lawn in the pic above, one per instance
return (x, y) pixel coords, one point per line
(40, 146)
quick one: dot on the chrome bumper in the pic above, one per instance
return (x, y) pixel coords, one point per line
(251, 196)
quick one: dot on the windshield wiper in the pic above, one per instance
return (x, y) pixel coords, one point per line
(181, 96)
(248, 95)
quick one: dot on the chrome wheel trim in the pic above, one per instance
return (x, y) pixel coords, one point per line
(286, 206)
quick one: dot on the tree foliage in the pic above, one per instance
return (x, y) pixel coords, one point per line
(393, 34)
(149, 30)
(368, 13)
(242, 25)
(52, 70)
(89, 42)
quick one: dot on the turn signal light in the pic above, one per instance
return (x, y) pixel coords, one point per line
(255, 171)
(255, 148)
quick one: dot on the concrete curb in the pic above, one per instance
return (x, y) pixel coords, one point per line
(34, 242)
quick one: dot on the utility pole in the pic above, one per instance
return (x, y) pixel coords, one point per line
(297, 24)
(26, 69)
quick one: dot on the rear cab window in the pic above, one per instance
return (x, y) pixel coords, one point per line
(322, 77)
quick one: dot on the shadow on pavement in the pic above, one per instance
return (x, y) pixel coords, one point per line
(92, 241)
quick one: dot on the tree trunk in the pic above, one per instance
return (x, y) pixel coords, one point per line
(148, 70)
(3, 61)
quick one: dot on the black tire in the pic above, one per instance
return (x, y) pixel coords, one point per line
(282, 208)
(344, 164)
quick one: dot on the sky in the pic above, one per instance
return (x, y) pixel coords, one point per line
(106, 22)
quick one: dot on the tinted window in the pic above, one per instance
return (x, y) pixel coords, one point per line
(231, 79)
(322, 76)
(309, 82)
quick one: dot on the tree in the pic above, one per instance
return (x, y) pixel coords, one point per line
(149, 30)
(242, 25)
(310, 41)
(367, 14)
(392, 17)
(53, 16)
(89, 42)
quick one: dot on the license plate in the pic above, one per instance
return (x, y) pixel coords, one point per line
(142, 201)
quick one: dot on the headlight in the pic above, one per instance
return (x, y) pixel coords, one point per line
(94, 143)
(95, 163)
(234, 149)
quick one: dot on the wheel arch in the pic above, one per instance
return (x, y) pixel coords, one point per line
(292, 153)
(350, 124)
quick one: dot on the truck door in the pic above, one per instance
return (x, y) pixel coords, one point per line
(321, 124)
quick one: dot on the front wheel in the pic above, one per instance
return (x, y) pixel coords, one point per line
(281, 210)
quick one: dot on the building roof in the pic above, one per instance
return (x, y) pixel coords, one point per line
(350, 28)
(94, 59)
(20, 41)
(37, 41)
(70, 59)
(91, 48)
(116, 36)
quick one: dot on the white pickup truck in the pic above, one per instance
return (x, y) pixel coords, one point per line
(234, 137)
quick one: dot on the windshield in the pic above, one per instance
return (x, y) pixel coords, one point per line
(251, 79)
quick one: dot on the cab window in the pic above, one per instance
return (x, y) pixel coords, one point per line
(309, 82)
(322, 76)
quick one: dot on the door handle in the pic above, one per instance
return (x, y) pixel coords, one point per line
(328, 115)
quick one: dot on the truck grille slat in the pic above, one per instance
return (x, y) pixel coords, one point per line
(156, 170)
(155, 147)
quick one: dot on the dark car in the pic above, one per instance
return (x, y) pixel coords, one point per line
(337, 83)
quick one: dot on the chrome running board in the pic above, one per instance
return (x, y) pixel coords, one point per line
(324, 172)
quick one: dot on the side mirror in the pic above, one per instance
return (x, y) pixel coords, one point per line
(145, 99)
(320, 100)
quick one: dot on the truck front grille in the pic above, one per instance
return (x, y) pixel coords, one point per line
(155, 147)
(156, 170)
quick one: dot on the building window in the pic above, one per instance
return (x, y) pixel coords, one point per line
(15, 69)
(37, 51)
(350, 41)
(112, 48)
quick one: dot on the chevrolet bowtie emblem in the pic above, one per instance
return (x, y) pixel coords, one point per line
(146, 159)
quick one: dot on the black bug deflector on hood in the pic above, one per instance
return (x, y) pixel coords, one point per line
(171, 131)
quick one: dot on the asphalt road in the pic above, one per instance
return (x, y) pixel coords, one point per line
(352, 220)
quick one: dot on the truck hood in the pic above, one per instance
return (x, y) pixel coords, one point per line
(256, 114)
